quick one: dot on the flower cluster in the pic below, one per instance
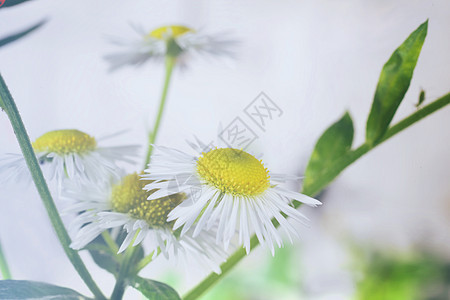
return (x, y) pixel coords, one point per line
(184, 206)
(187, 207)
(123, 204)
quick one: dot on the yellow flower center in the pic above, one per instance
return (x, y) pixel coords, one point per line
(233, 171)
(65, 141)
(130, 198)
(165, 32)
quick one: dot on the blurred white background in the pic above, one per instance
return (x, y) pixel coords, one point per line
(315, 59)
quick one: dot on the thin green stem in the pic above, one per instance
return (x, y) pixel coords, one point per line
(36, 173)
(170, 64)
(110, 242)
(146, 260)
(213, 278)
(339, 166)
(351, 157)
(4, 269)
(125, 267)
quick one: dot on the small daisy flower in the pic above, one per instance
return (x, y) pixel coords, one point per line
(124, 204)
(173, 40)
(227, 186)
(71, 154)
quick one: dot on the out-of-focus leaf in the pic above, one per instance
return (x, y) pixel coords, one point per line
(8, 3)
(335, 142)
(105, 258)
(18, 35)
(140, 251)
(23, 289)
(102, 255)
(281, 266)
(393, 83)
(154, 290)
(399, 277)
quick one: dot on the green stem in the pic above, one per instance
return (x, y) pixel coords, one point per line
(348, 159)
(314, 190)
(9, 106)
(170, 64)
(213, 278)
(4, 269)
(125, 267)
(145, 261)
(110, 242)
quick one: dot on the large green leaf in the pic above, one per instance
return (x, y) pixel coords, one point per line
(13, 37)
(335, 142)
(22, 289)
(154, 290)
(393, 83)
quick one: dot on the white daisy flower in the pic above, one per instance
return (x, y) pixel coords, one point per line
(173, 40)
(227, 186)
(68, 153)
(124, 204)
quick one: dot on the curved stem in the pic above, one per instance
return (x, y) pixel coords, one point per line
(338, 167)
(170, 64)
(25, 145)
(4, 269)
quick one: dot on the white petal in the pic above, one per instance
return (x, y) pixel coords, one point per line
(297, 196)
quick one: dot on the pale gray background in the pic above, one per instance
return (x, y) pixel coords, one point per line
(315, 59)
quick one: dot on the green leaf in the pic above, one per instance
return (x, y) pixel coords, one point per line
(23, 289)
(105, 258)
(9, 39)
(393, 83)
(421, 98)
(154, 290)
(334, 143)
(13, 2)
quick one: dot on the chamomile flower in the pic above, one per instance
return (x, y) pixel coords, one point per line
(123, 204)
(229, 187)
(71, 154)
(173, 40)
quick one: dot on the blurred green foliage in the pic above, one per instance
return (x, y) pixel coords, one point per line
(277, 277)
(21, 33)
(18, 35)
(402, 277)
